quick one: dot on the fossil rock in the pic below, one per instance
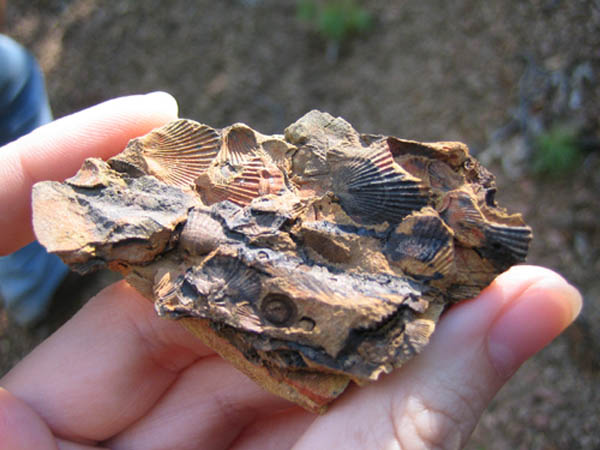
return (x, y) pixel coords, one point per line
(307, 260)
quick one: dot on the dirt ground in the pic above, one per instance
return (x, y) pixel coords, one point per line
(492, 74)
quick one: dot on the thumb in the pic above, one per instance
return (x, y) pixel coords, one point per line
(436, 400)
(56, 150)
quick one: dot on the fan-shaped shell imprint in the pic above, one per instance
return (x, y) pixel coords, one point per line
(308, 260)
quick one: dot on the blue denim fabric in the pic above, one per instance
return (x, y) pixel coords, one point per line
(30, 276)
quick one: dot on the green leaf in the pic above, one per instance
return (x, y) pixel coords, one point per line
(556, 152)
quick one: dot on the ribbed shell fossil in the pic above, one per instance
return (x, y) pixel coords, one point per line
(307, 260)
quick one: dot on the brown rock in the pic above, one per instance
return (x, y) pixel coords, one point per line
(307, 260)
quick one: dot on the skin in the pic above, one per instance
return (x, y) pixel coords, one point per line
(117, 376)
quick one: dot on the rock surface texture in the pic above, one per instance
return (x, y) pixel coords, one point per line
(308, 260)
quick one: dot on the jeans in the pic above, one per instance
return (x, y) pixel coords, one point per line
(30, 276)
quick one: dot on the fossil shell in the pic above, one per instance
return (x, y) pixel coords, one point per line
(176, 153)
(308, 260)
(240, 145)
(371, 187)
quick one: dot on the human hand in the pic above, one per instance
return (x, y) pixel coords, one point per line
(118, 376)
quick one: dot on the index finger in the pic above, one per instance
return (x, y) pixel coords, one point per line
(56, 150)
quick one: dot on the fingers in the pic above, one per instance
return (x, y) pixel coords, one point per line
(21, 427)
(525, 327)
(55, 151)
(437, 399)
(67, 445)
(276, 431)
(116, 364)
(105, 368)
(208, 407)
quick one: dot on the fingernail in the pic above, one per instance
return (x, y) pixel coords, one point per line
(168, 101)
(532, 321)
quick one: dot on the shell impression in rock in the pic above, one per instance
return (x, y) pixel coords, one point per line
(308, 260)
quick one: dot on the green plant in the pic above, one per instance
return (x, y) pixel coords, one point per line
(556, 152)
(335, 20)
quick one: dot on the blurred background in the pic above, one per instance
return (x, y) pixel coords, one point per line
(517, 81)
